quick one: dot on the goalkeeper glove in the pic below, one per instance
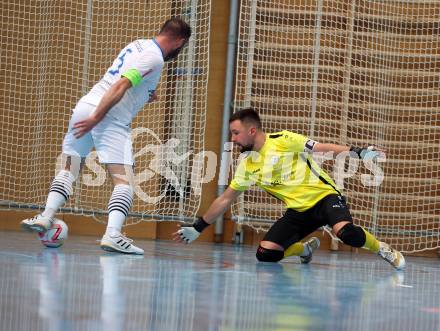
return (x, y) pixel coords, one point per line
(189, 233)
(369, 152)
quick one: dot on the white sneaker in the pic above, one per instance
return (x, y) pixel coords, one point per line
(37, 223)
(119, 243)
(395, 258)
(312, 244)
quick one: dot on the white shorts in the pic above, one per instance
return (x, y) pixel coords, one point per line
(111, 139)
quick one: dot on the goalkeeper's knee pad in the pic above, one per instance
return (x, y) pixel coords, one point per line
(352, 235)
(269, 255)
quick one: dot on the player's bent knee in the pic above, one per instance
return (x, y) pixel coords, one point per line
(269, 255)
(352, 235)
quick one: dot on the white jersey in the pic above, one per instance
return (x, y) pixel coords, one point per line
(141, 62)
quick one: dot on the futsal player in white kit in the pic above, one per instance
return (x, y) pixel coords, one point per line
(102, 119)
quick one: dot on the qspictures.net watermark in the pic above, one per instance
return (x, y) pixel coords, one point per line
(184, 170)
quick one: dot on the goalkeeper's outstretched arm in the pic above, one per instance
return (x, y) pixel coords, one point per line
(187, 234)
(361, 152)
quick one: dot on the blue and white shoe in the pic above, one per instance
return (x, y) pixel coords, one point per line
(120, 244)
(38, 223)
(393, 257)
(312, 244)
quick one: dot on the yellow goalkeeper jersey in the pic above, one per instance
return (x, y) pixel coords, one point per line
(284, 168)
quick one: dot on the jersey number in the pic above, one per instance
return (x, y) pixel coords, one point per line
(121, 59)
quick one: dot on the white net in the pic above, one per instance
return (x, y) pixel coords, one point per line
(53, 52)
(352, 72)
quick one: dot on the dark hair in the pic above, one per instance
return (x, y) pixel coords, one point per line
(247, 115)
(176, 27)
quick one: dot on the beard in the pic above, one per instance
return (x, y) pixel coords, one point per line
(246, 148)
(173, 54)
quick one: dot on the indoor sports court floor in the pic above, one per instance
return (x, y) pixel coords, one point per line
(208, 287)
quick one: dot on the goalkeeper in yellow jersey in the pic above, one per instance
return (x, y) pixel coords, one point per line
(282, 165)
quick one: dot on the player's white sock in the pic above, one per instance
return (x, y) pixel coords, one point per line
(59, 193)
(118, 207)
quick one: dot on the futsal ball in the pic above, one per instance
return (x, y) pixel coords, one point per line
(55, 236)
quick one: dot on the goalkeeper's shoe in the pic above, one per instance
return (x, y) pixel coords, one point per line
(395, 258)
(37, 223)
(119, 243)
(311, 245)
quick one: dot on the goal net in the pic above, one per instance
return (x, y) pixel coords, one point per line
(351, 72)
(53, 52)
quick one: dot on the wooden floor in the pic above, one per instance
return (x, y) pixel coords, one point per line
(206, 286)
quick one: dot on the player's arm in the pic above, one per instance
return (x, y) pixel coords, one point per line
(109, 99)
(336, 149)
(324, 148)
(187, 234)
